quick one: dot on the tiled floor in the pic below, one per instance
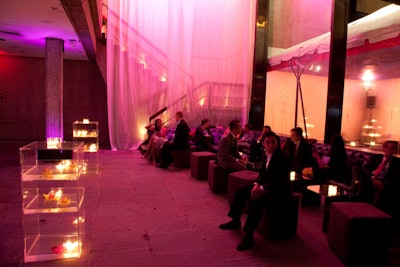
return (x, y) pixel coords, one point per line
(139, 215)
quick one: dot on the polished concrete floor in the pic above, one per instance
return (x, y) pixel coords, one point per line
(139, 215)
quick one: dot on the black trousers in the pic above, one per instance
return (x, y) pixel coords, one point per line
(242, 195)
(166, 153)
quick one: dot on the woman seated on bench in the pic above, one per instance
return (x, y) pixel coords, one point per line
(156, 141)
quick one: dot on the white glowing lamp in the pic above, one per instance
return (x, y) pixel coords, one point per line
(372, 143)
(85, 121)
(332, 190)
(352, 143)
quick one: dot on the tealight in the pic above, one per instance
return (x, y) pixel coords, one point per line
(332, 190)
(93, 148)
(372, 143)
(53, 142)
(292, 176)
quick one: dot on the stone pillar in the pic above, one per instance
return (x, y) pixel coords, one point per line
(337, 69)
(259, 77)
(54, 87)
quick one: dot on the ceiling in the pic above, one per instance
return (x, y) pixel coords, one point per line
(25, 25)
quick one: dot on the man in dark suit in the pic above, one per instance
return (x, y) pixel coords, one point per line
(377, 181)
(273, 184)
(228, 154)
(299, 151)
(180, 142)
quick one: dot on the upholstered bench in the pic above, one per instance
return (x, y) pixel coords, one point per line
(199, 164)
(217, 178)
(358, 233)
(182, 158)
(279, 219)
(238, 179)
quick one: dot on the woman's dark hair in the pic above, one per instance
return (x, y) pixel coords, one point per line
(156, 127)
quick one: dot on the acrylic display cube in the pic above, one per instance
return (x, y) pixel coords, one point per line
(88, 133)
(52, 201)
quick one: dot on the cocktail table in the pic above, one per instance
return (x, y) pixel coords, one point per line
(332, 193)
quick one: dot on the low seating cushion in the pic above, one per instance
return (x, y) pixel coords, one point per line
(199, 164)
(182, 158)
(238, 179)
(279, 219)
(358, 233)
(217, 178)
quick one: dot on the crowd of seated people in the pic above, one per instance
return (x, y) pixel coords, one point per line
(377, 181)
(272, 185)
(180, 141)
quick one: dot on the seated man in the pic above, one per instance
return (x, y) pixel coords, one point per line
(257, 150)
(228, 154)
(273, 184)
(299, 151)
(180, 142)
(374, 182)
(248, 137)
(202, 137)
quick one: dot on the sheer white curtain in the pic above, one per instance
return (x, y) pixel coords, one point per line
(189, 55)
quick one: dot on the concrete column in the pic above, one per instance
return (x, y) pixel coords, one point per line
(54, 88)
(337, 69)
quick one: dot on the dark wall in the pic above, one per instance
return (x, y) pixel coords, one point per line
(22, 98)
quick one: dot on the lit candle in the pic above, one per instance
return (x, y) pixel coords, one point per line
(372, 143)
(352, 143)
(292, 176)
(65, 164)
(332, 190)
(53, 142)
(85, 121)
(93, 147)
(70, 249)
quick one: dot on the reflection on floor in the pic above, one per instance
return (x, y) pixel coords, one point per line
(139, 215)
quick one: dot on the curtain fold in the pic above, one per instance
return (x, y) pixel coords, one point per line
(190, 55)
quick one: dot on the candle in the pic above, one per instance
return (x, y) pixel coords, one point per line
(53, 142)
(332, 190)
(93, 147)
(63, 165)
(352, 143)
(85, 121)
(292, 176)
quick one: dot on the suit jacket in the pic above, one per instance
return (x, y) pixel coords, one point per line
(227, 151)
(276, 179)
(181, 139)
(388, 197)
(375, 160)
(303, 158)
